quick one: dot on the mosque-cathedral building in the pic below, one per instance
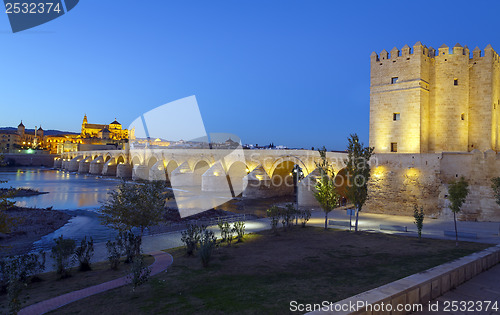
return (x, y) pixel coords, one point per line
(113, 131)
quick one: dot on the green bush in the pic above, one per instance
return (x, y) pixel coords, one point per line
(131, 245)
(239, 228)
(191, 238)
(207, 244)
(275, 214)
(15, 273)
(83, 254)
(115, 249)
(304, 216)
(288, 215)
(139, 272)
(418, 214)
(62, 251)
(226, 232)
(26, 266)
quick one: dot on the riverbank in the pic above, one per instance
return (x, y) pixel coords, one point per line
(21, 192)
(30, 224)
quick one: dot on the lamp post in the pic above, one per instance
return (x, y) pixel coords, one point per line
(297, 176)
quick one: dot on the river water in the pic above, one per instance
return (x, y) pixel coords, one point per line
(82, 195)
(77, 193)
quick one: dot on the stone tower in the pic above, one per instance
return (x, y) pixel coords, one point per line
(21, 129)
(40, 132)
(426, 101)
(84, 124)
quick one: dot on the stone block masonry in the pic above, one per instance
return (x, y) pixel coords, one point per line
(399, 181)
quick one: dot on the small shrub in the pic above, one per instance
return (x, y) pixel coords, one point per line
(15, 273)
(239, 228)
(418, 214)
(115, 249)
(304, 216)
(207, 243)
(191, 238)
(61, 253)
(14, 289)
(229, 233)
(139, 272)
(26, 266)
(288, 215)
(226, 232)
(84, 253)
(274, 214)
(131, 245)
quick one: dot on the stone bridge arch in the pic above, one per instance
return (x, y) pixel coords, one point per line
(170, 166)
(199, 169)
(136, 160)
(287, 163)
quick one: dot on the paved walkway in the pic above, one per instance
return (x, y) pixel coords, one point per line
(475, 293)
(487, 232)
(162, 261)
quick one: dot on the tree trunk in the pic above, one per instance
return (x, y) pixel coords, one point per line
(357, 215)
(456, 232)
(326, 220)
(350, 220)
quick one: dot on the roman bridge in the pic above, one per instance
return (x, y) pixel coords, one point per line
(255, 173)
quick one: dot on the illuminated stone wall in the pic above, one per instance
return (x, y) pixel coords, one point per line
(402, 180)
(446, 101)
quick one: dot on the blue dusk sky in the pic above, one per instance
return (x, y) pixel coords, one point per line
(292, 72)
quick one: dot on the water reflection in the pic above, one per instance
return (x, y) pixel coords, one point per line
(66, 190)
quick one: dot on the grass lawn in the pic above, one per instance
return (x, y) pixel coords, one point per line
(263, 274)
(49, 285)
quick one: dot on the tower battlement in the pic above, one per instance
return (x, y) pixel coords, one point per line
(421, 50)
(435, 100)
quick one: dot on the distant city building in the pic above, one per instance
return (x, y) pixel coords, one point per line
(113, 131)
(92, 137)
(21, 138)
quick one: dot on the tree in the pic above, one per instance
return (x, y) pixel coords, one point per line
(358, 173)
(457, 193)
(418, 214)
(496, 189)
(324, 190)
(135, 205)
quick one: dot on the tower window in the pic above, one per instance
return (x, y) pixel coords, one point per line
(394, 80)
(394, 147)
(455, 82)
(395, 116)
(462, 116)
